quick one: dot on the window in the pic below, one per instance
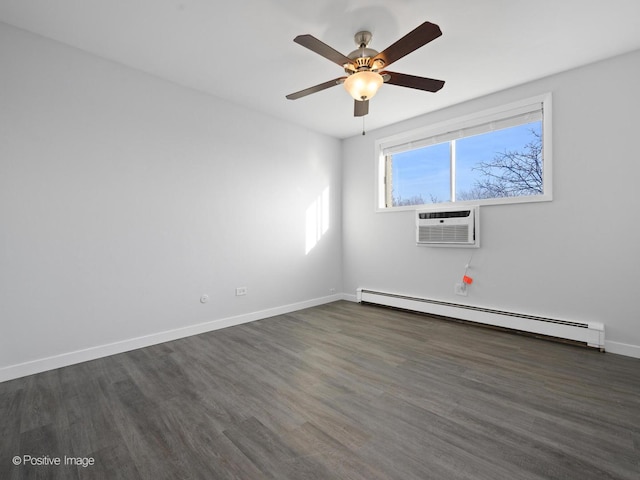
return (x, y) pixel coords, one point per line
(497, 156)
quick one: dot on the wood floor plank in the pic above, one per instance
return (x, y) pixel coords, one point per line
(47, 441)
(43, 403)
(342, 390)
(113, 463)
(273, 455)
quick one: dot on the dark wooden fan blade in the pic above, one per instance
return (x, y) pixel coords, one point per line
(360, 108)
(411, 41)
(316, 88)
(411, 81)
(315, 45)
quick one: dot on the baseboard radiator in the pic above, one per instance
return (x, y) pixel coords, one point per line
(591, 333)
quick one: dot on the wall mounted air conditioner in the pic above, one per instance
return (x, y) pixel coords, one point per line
(449, 227)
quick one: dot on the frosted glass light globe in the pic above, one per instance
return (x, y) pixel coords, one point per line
(363, 85)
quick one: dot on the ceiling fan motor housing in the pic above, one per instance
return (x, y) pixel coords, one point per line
(362, 57)
(358, 64)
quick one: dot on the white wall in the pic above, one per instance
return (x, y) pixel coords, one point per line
(124, 198)
(576, 257)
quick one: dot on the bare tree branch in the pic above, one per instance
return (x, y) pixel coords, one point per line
(510, 173)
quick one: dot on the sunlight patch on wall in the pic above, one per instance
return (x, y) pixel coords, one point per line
(317, 220)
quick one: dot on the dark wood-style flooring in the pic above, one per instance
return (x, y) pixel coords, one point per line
(340, 391)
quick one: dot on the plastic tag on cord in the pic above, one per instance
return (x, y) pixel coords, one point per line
(467, 280)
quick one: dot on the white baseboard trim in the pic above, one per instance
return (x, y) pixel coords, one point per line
(65, 359)
(349, 297)
(622, 349)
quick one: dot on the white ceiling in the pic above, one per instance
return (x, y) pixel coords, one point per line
(243, 50)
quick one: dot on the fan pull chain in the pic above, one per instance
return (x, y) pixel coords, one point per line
(363, 132)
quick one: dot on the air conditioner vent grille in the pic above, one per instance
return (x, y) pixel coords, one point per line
(444, 234)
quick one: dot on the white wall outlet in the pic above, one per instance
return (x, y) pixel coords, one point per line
(204, 298)
(241, 291)
(460, 289)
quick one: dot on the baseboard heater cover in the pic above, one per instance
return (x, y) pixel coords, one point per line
(591, 333)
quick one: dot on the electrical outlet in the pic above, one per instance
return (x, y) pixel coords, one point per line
(241, 291)
(460, 289)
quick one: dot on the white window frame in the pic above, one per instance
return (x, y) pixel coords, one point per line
(456, 128)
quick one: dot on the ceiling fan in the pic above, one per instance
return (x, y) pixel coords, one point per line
(364, 66)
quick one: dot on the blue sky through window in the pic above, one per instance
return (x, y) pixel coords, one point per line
(425, 172)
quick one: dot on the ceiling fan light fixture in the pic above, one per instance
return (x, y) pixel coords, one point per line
(364, 66)
(363, 85)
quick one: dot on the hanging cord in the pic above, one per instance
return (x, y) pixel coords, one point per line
(363, 132)
(467, 280)
(466, 267)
